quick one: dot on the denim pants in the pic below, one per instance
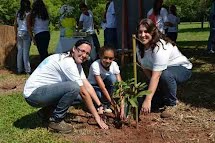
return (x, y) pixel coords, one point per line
(170, 78)
(167, 86)
(42, 40)
(96, 43)
(110, 37)
(211, 40)
(60, 95)
(23, 46)
(109, 84)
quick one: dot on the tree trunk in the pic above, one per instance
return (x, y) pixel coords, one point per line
(8, 50)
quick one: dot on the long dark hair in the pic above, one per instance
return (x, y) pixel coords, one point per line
(25, 6)
(155, 33)
(39, 10)
(173, 9)
(157, 9)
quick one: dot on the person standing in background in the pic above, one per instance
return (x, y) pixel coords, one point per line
(173, 23)
(38, 27)
(211, 38)
(110, 32)
(23, 38)
(87, 24)
(158, 15)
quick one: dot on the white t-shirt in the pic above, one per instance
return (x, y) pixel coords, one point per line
(111, 16)
(161, 19)
(87, 20)
(97, 69)
(40, 25)
(175, 21)
(161, 57)
(22, 24)
(54, 69)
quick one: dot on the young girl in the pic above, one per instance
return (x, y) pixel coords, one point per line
(103, 73)
(174, 21)
(23, 38)
(163, 64)
(38, 27)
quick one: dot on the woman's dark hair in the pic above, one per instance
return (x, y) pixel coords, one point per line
(39, 10)
(172, 9)
(82, 5)
(25, 6)
(157, 9)
(83, 41)
(106, 48)
(155, 33)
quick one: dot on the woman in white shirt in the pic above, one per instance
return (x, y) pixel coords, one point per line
(38, 27)
(57, 82)
(23, 38)
(163, 64)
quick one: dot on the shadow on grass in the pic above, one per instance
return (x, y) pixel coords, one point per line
(30, 121)
(192, 44)
(199, 91)
(194, 30)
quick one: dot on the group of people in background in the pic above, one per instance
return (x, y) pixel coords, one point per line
(31, 24)
(166, 20)
(60, 81)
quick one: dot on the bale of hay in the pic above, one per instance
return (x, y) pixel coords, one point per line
(8, 50)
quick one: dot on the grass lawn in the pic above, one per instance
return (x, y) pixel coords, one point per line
(19, 122)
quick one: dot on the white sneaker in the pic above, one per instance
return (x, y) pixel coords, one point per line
(108, 110)
(211, 52)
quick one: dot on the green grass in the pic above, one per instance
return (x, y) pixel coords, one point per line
(20, 124)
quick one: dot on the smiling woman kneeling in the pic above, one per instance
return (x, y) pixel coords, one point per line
(57, 82)
(163, 64)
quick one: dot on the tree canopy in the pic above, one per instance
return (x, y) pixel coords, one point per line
(192, 10)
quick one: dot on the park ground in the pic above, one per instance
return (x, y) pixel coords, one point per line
(194, 121)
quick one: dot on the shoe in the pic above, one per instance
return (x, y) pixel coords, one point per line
(168, 111)
(107, 109)
(211, 52)
(45, 113)
(60, 127)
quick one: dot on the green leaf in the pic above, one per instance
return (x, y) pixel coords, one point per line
(142, 93)
(133, 103)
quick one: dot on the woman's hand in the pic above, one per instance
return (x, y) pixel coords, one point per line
(101, 123)
(146, 107)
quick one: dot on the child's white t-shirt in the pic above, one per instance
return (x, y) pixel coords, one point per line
(87, 20)
(97, 69)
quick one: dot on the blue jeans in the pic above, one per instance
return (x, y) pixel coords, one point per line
(211, 40)
(42, 40)
(59, 95)
(167, 86)
(110, 37)
(109, 84)
(23, 46)
(170, 78)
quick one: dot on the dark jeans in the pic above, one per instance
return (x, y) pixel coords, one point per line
(172, 35)
(110, 37)
(167, 87)
(42, 40)
(211, 40)
(59, 95)
(109, 84)
(96, 42)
